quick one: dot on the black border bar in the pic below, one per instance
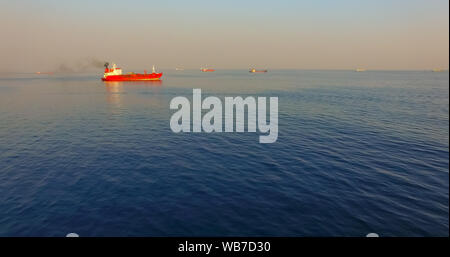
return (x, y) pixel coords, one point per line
(279, 246)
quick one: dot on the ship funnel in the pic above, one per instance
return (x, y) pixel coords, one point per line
(106, 65)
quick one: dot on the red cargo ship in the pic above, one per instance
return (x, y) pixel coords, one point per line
(207, 70)
(115, 74)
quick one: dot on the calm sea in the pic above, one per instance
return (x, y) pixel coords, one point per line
(357, 152)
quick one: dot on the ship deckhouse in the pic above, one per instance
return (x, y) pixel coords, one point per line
(113, 71)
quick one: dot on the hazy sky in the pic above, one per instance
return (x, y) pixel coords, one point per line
(327, 34)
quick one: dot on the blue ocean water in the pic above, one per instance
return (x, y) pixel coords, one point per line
(357, 152)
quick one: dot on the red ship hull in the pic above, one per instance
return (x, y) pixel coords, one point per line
(133, 77)
(208, 70)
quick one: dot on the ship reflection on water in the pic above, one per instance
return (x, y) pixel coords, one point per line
(117, 89)
(114, 84)
(114, 91)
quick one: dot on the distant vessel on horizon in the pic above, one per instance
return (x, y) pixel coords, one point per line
(115, 74)
(207, 70)
(252, 70)
(179, 69)
(360, 70)
(438, 70)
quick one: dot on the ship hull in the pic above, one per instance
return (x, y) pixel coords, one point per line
(133, 77)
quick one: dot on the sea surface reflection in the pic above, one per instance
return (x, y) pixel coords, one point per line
(357, 152)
